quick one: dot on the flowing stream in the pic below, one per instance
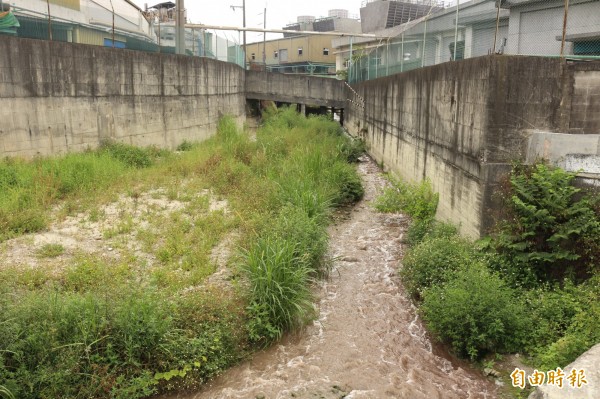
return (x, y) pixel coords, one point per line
(368, 341)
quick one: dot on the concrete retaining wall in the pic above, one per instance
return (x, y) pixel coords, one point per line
(59, 97)
(461, 124)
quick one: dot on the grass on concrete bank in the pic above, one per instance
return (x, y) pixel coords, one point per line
(148, 317)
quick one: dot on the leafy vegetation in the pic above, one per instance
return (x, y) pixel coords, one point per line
(532, 287)
(127, 328)
(476, 312)
(415, 199)
(551, 229)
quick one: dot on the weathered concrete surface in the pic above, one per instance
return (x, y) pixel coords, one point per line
(557, 147)
(590, 363)
(60, 97)
(461, 124)
(295, 89)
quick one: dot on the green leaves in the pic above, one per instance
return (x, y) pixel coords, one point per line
(549, 218)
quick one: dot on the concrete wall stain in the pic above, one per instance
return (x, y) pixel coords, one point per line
(461, 124)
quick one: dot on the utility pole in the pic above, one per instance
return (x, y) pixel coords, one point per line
(245, 58)
(180, 27)
(265, 39)
(243, 6)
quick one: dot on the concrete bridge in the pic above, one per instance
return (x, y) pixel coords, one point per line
(459, 124)
(296, 89)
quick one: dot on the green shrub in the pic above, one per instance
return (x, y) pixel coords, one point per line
(434, 261)
(352, 149)
(575, 311)
(131, 156)
(346, 182)
(420, 230)
(185, 146)
(416, 200)
(552, 312)
(548, 218)
(475, 312)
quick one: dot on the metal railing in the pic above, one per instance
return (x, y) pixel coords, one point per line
(474, 28)
(117, 24)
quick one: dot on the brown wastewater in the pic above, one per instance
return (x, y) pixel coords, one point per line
(368, 341)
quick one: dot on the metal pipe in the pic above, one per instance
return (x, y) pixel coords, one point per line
(49, 21)
(402, 58)
(424, 38)
(180, 28)
(265, 38)
(113, 23)
(244, 24)
(303, 32)
(456, 31)
(497, 25)
(350, 63)
(564, 33)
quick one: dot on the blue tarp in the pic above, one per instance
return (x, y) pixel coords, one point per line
(8, 23)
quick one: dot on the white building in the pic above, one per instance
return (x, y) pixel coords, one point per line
(85, 21)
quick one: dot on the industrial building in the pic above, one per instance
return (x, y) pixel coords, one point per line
(383, 14)
(87, 22)
(299, 53)
(337, 21)
(525, 27)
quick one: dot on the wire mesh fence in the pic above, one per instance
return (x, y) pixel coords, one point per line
(114, 23)
(469, 29)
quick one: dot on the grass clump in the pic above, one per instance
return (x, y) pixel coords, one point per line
(416, 200)
(280, 286)
(50, 251)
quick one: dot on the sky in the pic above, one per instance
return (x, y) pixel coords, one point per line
(279, 13)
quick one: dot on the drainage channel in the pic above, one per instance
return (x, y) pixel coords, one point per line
(368, 341)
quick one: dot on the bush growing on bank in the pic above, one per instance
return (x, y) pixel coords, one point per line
(434, 261)
(475, 312)
(532, 287)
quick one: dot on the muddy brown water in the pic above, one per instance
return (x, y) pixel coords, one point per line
(368, 341)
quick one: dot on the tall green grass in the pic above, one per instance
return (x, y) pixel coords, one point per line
(107, 329)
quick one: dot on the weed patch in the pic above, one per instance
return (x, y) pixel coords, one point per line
(144, 319)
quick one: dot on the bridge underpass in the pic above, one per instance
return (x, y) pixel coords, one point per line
(306, 91)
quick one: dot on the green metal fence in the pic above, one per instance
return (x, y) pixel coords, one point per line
(117, 25)
(475, 28)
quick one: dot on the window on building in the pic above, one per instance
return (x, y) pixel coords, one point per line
(276, 54)
(253, 56)
(460, 50)
(117, 44)
(299, 50)
(587, 47)
(325, 51)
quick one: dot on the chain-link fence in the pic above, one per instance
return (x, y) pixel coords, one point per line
(469, 29)
(113, 23)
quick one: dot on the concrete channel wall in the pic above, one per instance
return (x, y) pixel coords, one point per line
(61, 97)
(461, 124)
